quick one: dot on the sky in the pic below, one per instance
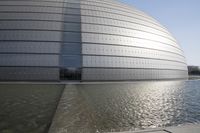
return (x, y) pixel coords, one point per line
(181, 18)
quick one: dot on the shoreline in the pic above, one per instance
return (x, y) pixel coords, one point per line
(191, 128)
(194, 77)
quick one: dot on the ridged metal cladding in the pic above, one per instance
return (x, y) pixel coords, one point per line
(106, 39)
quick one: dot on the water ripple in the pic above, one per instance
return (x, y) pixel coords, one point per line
(128, 106)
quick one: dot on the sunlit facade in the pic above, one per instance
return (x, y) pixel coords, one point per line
(86, 40)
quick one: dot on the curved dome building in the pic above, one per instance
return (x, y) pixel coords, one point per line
(87, 40)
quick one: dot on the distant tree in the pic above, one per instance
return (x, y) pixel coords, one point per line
(193, 70)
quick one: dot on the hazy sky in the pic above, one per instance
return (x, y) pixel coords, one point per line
(181, 18)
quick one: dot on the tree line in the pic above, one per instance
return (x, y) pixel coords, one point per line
(193, 70)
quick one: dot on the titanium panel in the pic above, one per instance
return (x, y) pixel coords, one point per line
(31, 3)
(37, 9)
(30, 16)
(120, 43)
(128, 62)
(88, 40)
(30, 25)
(109, 9)
(125, 32)
(29, 60)
(122, 24)
(121, 7)
(30, 47)
(29, 73)
(30, 35)
(30, 40)
(89, 74)
(127, 41)
(112, 50)
(118, 17)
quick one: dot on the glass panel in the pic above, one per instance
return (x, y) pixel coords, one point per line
(70, 73)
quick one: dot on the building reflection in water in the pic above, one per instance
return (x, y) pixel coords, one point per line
(27, 108)
(122, 106)
(88, 108)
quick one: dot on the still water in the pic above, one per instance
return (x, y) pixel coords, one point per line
(26, 108)
(92, 108)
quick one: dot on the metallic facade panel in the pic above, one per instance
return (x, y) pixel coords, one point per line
(125, 32)
(113, 50)
(30, 35)
(121, 18)
(29, 60)
(29, 47)
(123, 24)
(88, 40)
(28, 73)
(130, 62)
(30, 25)
(121, 43)
(127, 41)
(31, 3)
(30, 40)
(130, 74)
(22, 8)
(30, 16)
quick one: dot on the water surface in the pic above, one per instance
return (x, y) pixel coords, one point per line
(98, 107)
(127, 106)
(27, 108)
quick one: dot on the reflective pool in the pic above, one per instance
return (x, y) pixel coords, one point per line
(98, 107)
(127, 106)
(27, 108)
